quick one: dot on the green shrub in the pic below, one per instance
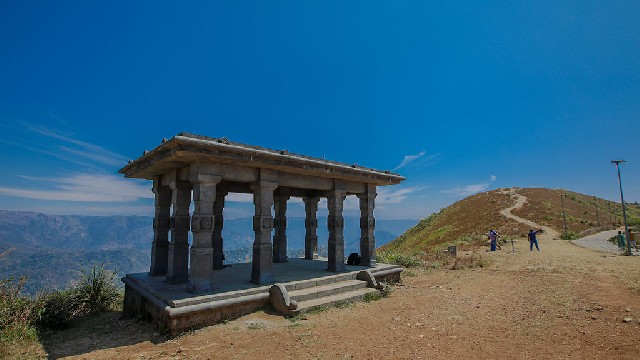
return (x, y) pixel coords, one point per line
(374, 296)
(569, 235)
(20, 315)
(407, 261)
(57, 309)
(95, 292)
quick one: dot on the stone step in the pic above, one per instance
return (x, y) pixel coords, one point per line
(349, 296)
(326, 290)
(325, 280)
(331, 279)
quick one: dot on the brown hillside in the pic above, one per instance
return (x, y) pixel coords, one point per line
(467, 220)
(544, 207)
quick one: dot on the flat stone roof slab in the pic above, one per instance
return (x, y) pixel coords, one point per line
(185, 148)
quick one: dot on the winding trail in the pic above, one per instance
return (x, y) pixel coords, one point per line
(597, 241)
(520, 200)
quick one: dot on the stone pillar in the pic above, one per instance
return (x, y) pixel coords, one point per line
(218, 250)
(160, 244)
(280, 224)
(335, 224)
(367, 227)
(178, 269)
(204, 178)
(262, 264)
(311, 225)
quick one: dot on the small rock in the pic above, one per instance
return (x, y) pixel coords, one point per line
(627, 320)
(627, 310)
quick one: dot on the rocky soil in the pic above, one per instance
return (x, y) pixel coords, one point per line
(563, 302)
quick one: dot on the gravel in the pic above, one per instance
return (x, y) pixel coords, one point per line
(599, 241)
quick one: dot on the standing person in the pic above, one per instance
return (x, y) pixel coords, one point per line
(493, 237)
(533, 240)
(621, 244)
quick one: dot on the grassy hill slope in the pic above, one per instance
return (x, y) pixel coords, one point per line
(467, 220)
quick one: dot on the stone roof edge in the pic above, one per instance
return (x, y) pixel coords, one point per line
(224, 143)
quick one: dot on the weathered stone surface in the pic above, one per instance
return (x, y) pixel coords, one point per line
(204, 178)
(335, 224)
(218, 207)
(261, 272)
(178, 264)
(367, 226)
(212, 168)
(160, 245)
(280, 224)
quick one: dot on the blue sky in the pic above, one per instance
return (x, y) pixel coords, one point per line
(458, 96)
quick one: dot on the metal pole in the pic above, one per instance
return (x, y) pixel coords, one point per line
(564, 217)
(624, 211)
(595, 199)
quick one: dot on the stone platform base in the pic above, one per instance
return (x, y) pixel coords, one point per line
(302, 281)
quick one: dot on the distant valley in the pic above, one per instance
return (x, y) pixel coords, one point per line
(52, 249)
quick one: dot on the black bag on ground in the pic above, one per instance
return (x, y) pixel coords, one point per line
(353, 259)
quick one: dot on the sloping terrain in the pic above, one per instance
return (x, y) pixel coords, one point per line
(467, 220)
(561, 302)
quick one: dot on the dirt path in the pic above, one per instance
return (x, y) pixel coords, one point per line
(564, 302)
(520, 200)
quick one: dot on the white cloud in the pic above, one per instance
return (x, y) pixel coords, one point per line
(82, 149)
(91, 210)
(408, 159)
(395, 195)
(467, 189)
(470, 189)
(83, 188)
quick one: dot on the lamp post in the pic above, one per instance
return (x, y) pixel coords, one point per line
(564, 217)
(624, 211)
(595, 200)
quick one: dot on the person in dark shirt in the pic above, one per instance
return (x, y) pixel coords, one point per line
(533, 240)
(493, 237)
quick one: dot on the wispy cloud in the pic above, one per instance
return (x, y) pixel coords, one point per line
(467, 190)
(82, 188)
(80, 148)
(408, 159)
(86, 209)
(395, 196)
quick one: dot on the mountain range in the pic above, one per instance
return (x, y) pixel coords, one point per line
(52, 249)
